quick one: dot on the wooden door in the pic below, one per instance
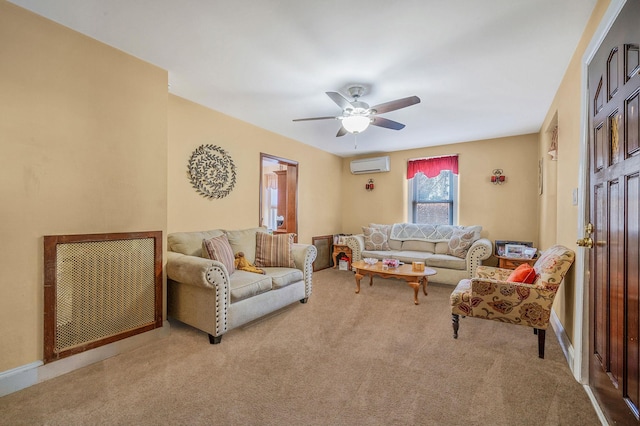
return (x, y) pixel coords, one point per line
(614, 165)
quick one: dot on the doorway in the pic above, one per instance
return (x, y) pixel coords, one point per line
(278, 194)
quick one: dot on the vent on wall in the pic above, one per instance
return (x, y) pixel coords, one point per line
(370, 165)
(100, 288)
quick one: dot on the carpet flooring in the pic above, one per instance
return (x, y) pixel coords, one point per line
(372, 358)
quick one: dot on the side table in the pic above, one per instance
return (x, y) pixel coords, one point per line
(513, 263)
(341, 249)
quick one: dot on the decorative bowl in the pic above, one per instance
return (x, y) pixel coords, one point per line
(391, 263)
(370, 261)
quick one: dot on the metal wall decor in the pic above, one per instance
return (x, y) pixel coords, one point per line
(212, 171)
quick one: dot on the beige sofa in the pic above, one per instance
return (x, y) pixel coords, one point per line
(203, 294)
(454, 252)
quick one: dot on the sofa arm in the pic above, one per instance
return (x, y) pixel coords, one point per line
(480, 250)
(196, 271)
(199, 281)
(356, 244)
(303, 257)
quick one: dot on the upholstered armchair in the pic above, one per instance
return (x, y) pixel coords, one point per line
(491, 296)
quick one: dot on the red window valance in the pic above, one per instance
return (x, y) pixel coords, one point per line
(431, 167)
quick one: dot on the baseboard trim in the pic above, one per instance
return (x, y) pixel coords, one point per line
(36, 372)
(563, 339)
(596, 406)
(19, 378)
(567, 349)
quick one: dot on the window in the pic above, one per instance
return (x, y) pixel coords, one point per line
(433, 199)
(433, 189)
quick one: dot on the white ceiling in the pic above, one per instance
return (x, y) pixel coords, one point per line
(482, 68)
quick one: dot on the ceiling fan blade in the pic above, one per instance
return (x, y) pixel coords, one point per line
(397, 104)
(341, 132)
(340, 100)
(314, 118)
(386, 123)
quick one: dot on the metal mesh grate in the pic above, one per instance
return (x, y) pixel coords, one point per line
(103, 288)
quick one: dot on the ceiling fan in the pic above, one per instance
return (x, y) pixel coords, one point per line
(357, 115)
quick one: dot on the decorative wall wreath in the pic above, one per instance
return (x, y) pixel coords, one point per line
(212, 171)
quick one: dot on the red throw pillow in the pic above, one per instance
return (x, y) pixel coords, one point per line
(523, 274)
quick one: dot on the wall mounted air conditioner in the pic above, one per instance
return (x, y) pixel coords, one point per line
(370, 165)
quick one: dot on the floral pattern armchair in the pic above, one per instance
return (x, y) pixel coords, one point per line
(490, 296)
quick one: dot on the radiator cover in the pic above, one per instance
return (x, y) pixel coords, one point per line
(100, 288)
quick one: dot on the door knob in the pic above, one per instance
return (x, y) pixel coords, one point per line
(585, 242)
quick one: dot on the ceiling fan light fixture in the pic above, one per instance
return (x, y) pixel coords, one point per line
(356, 123)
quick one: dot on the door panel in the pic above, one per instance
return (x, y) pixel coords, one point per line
(599, 298)
(614, 183)
(633, 290)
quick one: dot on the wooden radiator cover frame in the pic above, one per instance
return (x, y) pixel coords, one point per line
(50, 290)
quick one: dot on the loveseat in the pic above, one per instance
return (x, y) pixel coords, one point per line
(454, 252)
(204, 290)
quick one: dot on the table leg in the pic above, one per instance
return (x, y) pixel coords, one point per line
(425, 281)
(416, 287)
(358, 278)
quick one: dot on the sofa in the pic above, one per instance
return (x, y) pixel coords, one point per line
(206, 291)
(454, 252)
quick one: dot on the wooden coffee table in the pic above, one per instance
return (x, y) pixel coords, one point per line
(403, 272)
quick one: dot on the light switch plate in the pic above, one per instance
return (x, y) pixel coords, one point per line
(575, 197)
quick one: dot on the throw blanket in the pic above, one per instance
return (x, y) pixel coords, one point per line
(427, 232)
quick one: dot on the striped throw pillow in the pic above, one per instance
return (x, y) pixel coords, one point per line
(274, 250)
(218, 248)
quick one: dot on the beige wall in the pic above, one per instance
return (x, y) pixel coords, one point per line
(563, 176)
(83, 137)
(507, 211)
(192, 125)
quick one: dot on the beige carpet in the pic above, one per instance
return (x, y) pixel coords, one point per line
(372, 358)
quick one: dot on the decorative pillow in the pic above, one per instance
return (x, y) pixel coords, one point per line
(384, 228)
(218, 248)
(460, 242)
(524, 273)
(274, 250)
(375, 239)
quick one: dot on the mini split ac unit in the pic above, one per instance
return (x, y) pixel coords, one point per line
(370, 165)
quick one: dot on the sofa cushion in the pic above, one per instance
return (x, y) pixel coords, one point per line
(245, 284)
(446, 261)
(442, 247)
(282, 277)
(218, 248)
(460, 242)
(244, 240)
(408, 256)
(375, 239)
(395, 244)
(412, 245)
(190, 243)
(274, 250)
(378, 254)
